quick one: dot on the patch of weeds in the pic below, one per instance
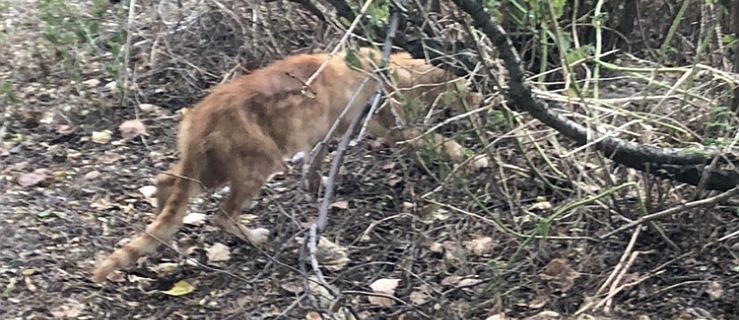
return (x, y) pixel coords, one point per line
(719, 126)
(412, 108)
(74, 31)
(7, 95)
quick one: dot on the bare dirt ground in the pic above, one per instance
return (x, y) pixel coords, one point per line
(70, 195)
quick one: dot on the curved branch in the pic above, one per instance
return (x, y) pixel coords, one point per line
(674, 163)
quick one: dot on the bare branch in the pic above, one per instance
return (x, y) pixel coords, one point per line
(674, 163)
(682, 207)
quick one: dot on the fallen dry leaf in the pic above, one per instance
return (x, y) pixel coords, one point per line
(450, 280)
(91, 83)
(479, 246)
(545, 315)
(101, 137)
(32, 179)
(92, 175)
(166, 268)
(559, 271)
(148, 108)
(110, 157)
(194, 218)
(218, 252)
(148, 191)
(419, 297)
(180, 288)
(27, 273)
(331, 255)
(468, 282)
(130, 129)
(385, 286)
(480, 162)
(65, 130)
(541, 206)
(714, 290)
(436, 247)
(292, 287)
(343, 204)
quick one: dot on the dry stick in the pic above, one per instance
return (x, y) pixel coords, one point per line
(127, 54)
(317, 227)
(319, 150)
(681, 207)
(614, 289)
(614, 274)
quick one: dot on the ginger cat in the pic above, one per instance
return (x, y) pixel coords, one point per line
(240, 133)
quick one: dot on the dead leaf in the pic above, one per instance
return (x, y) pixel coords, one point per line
(559, 271)
(450, 280)
(110, 157)
(468, 282)
(331, 255)
(166, 268)
(149, 108)
(180, 288)
(545, 205)
(31, 179)
(292, 287)
(500, 316)
(91, 83)
(480, 162)
(479, 246)
(65, 130)
(130, 129)
(218, 252)
(385, 286)
(194, 218)
(541, 204)
(343, 204)
(714, 290)
(545, 315)
(92, 175)
(419, 297)
(436, 247)
(29, 284)
(101, 137)
(148, 191)
(312, 315)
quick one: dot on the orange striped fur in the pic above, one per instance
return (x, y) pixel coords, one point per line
(240, 133)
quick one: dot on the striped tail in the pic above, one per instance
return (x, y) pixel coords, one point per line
(161, 230)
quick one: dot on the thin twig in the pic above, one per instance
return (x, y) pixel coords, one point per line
(681, 207)
(127, 54)
(320, 224)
